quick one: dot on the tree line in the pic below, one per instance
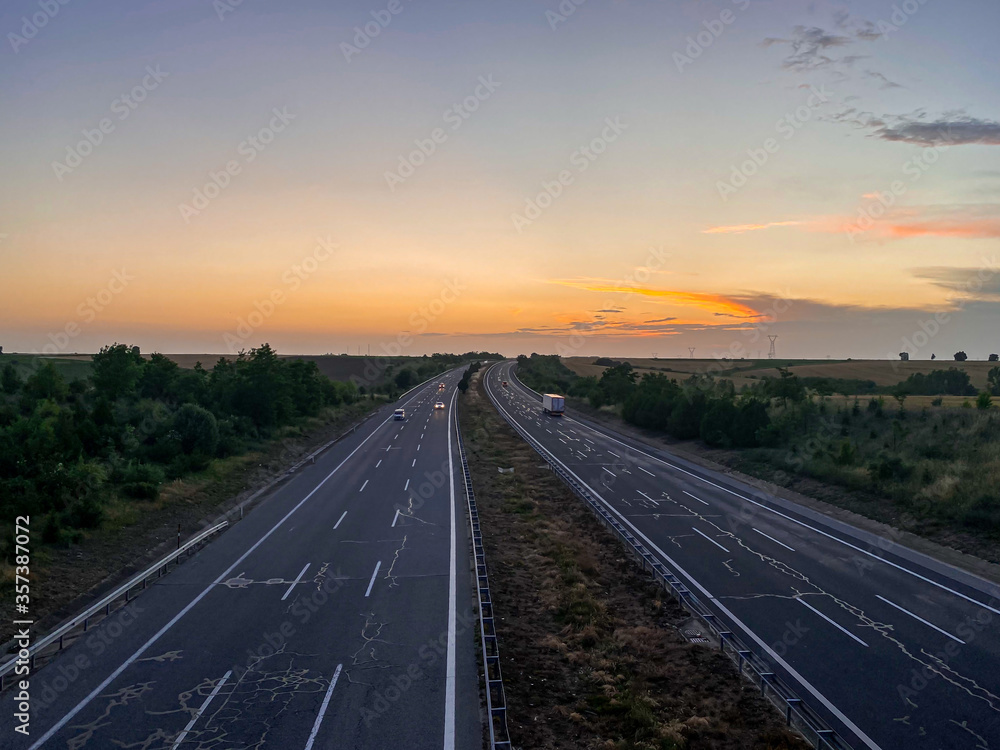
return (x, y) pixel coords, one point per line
(66, 448)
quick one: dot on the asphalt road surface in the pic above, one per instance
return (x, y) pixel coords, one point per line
(893, 648)
(337, 614)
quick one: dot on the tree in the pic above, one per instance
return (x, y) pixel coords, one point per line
(993, 381)
(995, 358)
(404, 378)
(933, 356)
(10, 381)
(961, 356)
(46, 383)
(904, 356)
(158, 374)
(983, 401)
(117, 369)
(198, 430)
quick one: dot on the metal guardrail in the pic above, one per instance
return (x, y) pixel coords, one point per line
(58, 636)
(496, 697)
(798, 715)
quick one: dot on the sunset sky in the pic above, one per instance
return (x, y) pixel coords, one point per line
(630, 178)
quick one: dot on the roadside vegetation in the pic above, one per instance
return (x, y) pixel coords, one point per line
(69, 450)
(937, 466)
(592, 655)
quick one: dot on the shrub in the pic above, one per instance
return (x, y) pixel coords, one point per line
(142, 481)
(198, 430)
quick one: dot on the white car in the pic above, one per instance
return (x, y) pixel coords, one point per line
(439, 405)
(399, 414)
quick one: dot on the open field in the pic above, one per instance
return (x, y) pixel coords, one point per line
(71, 367)
(882, 372)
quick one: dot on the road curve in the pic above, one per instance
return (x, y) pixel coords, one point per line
(338, 614)
(893, 648)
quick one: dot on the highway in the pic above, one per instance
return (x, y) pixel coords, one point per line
(337, 614)
(894, 649)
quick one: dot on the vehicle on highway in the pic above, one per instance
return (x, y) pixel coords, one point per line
(440, 386)
(399, 414)
(553, 404)
(439, 405)
(504, 383)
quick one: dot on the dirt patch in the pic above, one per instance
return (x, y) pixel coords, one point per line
(590, 650)
(137, 534)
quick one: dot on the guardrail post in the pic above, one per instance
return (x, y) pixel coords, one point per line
(178, 536)
(792, 702)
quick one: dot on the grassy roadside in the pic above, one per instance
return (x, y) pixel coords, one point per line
(136, 533)
(592, 657)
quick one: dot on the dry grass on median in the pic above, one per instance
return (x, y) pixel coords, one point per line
(591, 654)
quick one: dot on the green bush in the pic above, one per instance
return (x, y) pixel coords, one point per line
(197, 429)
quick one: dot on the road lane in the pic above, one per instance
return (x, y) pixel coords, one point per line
(279, 633)
(757, 560)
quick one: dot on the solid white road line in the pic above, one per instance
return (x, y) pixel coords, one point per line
(722, 607)
(339, 520)
(773, 539)
(450, 676)
(646, 470)
(200, 711)
(802, 523)
(709, 539)
(372, 581)
(363, 486)
(322, 709)
(692, 496)
(173, 621)
(297, 579)
(918, 617)
(846, 632)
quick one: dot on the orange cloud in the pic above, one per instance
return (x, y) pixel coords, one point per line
(741, 228)
(713, 303)
(981, 229)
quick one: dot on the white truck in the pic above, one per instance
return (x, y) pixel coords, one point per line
(553, 404)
